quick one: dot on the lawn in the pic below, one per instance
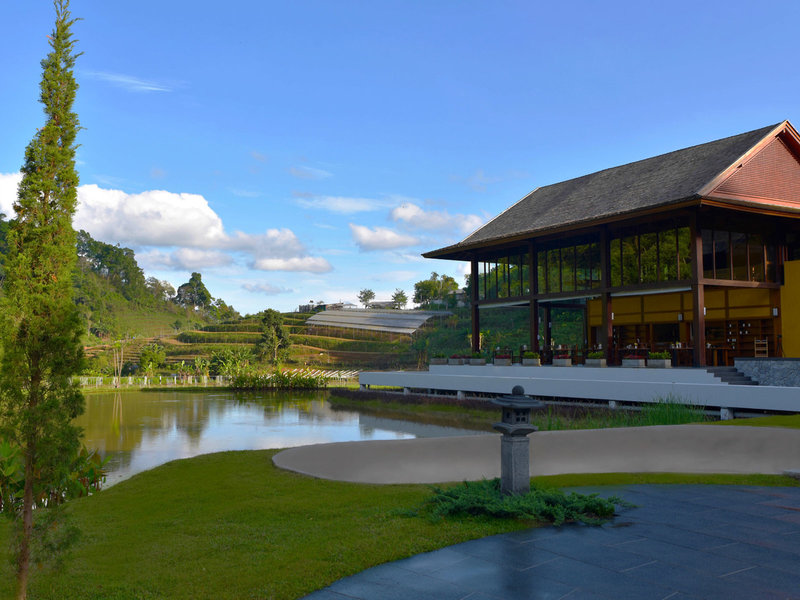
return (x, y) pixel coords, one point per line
(792, 421)
(230, 525)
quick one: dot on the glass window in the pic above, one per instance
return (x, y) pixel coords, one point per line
(553, 271)
(648, 243)
(541, 272)
(525, 274)
(722, 258)
(770, 251)
(594, 264)
(630, 260)
(708, 254)
(568, 269)
(739, 255)
(667, 255)
(583, 271)
(755, 253)
(615, 260)
(684, 253)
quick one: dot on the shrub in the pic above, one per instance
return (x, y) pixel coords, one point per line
(530, 354)
(484, 498)
(660, 355)
(595, 355)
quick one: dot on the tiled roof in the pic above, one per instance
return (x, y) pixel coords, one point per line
(662, 180)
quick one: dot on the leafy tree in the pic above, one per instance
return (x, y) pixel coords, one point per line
(117, 265)
(399, 298)
(4, 225)
(274, 339)
(221, 311)
(434, 290)
(151, 357)
(41, 327)
(193, 294)
(366, 296)
(160, 290)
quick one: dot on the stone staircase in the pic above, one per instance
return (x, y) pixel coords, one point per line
(731, 376)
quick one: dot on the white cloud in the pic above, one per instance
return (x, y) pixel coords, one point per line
(152, 218)
(340, 204)
(153, 222)
(303, 172)
(309, 264)
(8, 192)
(380, 238)
(183, 259)
(414, 216)
(264, 288)
(128, 82)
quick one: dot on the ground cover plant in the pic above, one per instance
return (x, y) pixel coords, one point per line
(541, 505)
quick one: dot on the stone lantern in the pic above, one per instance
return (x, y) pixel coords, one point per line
(515, 477)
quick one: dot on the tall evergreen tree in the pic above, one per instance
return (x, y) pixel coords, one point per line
(41, 329)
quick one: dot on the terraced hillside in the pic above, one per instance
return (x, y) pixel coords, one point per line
(328, 351)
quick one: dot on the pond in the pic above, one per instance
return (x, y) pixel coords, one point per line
(141, 430)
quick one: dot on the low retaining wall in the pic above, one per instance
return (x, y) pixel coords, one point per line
(784, 372)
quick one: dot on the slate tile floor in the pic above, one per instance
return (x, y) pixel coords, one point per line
(679, 542)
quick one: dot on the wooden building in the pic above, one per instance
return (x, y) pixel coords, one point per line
(696, 252)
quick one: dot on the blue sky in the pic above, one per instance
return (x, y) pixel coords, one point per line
(295, 151)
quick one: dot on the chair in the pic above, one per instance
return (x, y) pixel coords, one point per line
(761, 348)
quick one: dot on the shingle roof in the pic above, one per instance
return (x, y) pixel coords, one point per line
(662, 180)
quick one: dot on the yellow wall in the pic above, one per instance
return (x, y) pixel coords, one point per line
(790, 308)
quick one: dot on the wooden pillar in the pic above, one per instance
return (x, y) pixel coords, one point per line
(533, 272)
(475, 313)
(698, 294)
(606, 336)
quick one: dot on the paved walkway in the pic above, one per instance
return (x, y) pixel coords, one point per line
(676, 449)
(679, 542)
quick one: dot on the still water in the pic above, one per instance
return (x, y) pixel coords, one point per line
(141, 430)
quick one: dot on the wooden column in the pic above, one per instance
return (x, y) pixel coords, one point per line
(533, 272)
(698, 294)
(606, 336)
(476, 323)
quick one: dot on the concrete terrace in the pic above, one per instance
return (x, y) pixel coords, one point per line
(612, 384)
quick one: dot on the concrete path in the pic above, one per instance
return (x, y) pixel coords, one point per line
(681, 449)
(681, 542)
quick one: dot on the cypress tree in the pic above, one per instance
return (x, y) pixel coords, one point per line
(40, 329)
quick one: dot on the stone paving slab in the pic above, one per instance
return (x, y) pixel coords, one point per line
(679, 542)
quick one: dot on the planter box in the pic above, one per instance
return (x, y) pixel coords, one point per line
(477, 361)
(562, 362)
(531, 362)
(502, 362)
(438, 361)
(455, 361)
(596, 362)
(633, 362)
(659, 363)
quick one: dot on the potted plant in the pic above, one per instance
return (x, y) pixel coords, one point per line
(502, 360)
(438, 358)
(596, 359)
(477, 359)
(455, 359)
(562, 359)
(633, 360)
(659, 360)
(531, 359)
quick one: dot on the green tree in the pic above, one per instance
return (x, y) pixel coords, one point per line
(434, 290)
(193, 294)
(151, 357)
(274, 340)
(366, 296)
(41, 328)
(399, 298)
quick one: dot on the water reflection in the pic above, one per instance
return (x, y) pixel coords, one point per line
(141, 430)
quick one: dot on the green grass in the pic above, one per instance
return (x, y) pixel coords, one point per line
(792, 421)
(231, 525)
